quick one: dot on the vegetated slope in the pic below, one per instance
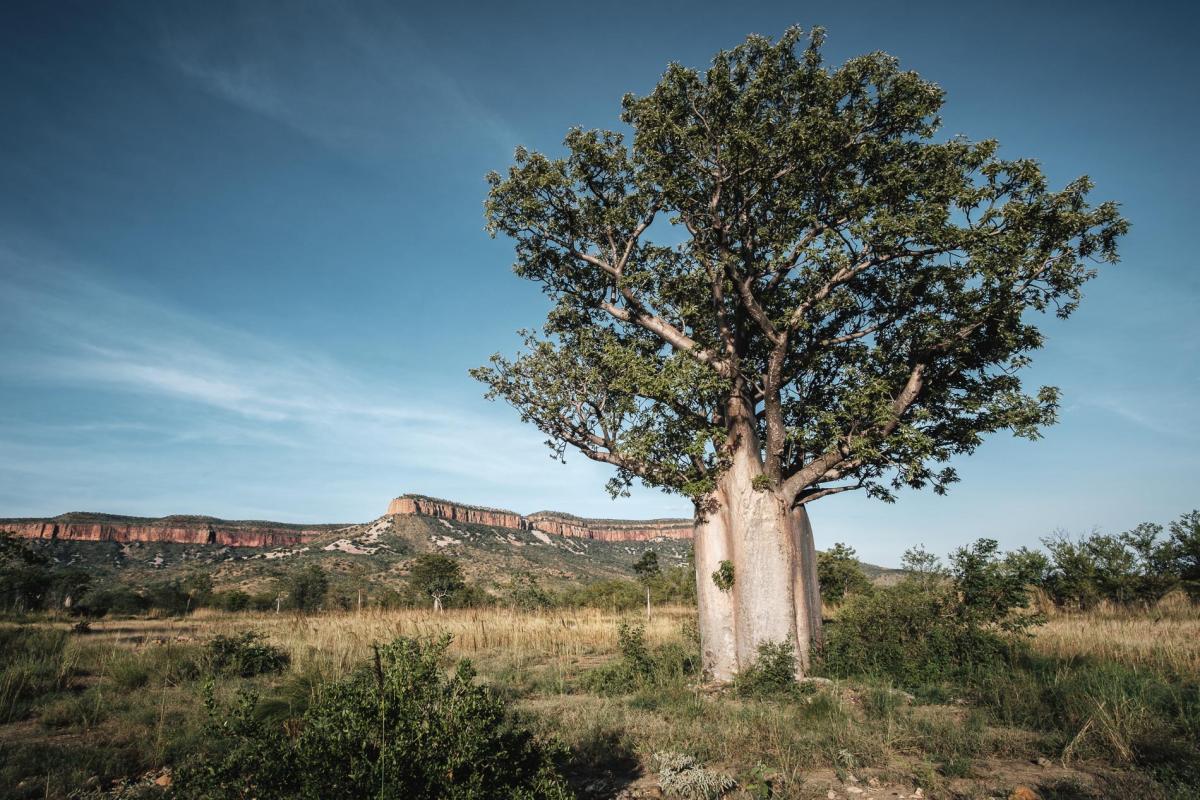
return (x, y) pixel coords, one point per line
(377, 553)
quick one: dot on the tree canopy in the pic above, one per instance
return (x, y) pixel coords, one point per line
(785, 257)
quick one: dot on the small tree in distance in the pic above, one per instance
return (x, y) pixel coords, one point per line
(647, 566)
(784, 288)
(840, 573)
(437, 576)
(306, 588)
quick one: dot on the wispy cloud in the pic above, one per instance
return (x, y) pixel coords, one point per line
(365, 83)
(1160, 414)
(188, 388)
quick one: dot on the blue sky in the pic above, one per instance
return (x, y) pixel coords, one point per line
(243, 270)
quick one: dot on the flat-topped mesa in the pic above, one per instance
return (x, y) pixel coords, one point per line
(445, 509)
(177, 529)
(552, 522)
(610, 530)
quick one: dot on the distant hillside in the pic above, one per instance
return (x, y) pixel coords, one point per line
(377, 555)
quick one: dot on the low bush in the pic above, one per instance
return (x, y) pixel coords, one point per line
(839, 573)
(399, 726)
(245, 655)
(640, 667)
(935, 625)
(680, 775)
(773, 672)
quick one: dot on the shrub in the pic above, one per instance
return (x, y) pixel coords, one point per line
(233, 600)
(680, 775)
(97, 602)
(306, 588)
(436, 576)
(525, 593)
(840, 573)
(639, 667)
(935, 624)
(773, 672)
(397, 727)
(613, 594)
(246, 655)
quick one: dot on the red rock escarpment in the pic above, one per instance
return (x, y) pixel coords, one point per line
(444, 509)
(166, 530)
(611, 530)
(551, 522)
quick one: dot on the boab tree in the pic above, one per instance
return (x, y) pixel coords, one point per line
(783, 289)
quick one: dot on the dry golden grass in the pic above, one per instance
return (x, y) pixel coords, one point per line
(1165, 637)
(345, 638)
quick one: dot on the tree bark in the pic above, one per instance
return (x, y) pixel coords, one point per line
(775, 596)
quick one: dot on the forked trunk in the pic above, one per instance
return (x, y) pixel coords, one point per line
(774, 596)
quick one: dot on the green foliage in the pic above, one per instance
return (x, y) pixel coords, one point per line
(233, 600)
(306, 588)
(722, 577)
(1185, 551)
(526, 593)
(1138, 566)
(936, 623)
(245, 655)
(772, 674)
(647, 566)
(823, 254)
(436, 576)
(397, 727)
(839, 573)
(31, 581)
(638, 667)
(612, 594)
(115, 599)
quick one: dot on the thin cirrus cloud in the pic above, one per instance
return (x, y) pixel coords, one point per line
(366, 84)
(219, 384)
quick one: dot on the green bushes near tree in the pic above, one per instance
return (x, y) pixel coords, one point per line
(1139, 566)
(306, 588)
(31, 581)
(840, 573)
(438, 577)
(642, 667)
(934, 624)
(245, 655)
(399, 726)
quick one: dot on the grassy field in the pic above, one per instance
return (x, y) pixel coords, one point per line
(108, 713)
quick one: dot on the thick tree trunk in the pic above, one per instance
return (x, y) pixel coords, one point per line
(774, 597)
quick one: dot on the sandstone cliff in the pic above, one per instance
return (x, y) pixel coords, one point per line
(444, 509)
(552, 522)
(610, 530)
(179, 529)
(228, 533)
